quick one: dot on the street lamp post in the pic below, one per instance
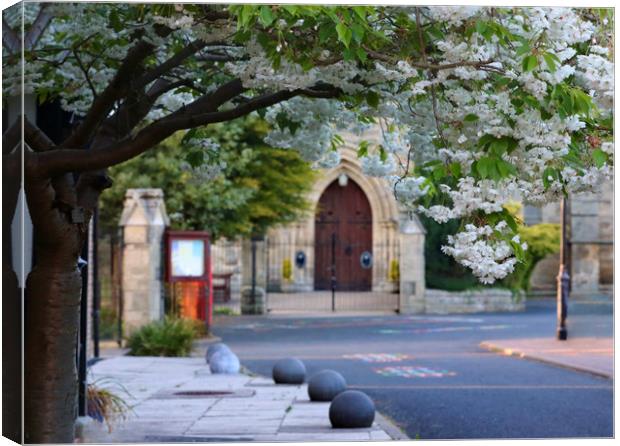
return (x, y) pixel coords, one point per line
(563, 273)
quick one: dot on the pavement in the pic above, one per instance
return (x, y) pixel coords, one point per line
(179, 400)
(587, 354)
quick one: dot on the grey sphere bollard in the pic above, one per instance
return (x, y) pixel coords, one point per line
(325, 385)
(351, 409)
(213, 349)
(224, 362)
(289, 371)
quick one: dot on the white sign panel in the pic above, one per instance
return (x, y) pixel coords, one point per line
(188, 258)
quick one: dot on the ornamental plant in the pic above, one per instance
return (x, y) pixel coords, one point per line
(472, 105)
(172, 336)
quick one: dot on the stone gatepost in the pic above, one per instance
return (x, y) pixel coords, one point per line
(412, 281)
(253, 304)
(143, 222)
(584, 209)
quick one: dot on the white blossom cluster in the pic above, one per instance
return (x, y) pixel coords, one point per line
(479, 248)
(374, 166)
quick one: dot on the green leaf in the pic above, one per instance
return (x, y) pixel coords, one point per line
(550, 174)
(550, 62)
(325, 32)
(360, 11)
(599, 157)
(363, 149)
(195, 158)
(483, 165)
(266, 16)
(344, 33)
(455, 169)
(512, 224)
(361, 54)
(358, 32)
(529, 63)
(471, 118)
(372, 98)
(382, 154)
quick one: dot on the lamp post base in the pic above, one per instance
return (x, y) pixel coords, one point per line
(562, 334)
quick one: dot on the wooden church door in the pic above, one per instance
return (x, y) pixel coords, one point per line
(343, 238)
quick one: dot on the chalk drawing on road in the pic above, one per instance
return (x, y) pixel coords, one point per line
(412, 372)
(379, 357)
(442, 329)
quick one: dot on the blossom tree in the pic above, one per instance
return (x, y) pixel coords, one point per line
(476, 106)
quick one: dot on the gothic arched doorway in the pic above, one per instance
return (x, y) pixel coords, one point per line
(343, 238)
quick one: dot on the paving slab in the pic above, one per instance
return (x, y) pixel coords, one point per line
(586, 354)
(254, 409)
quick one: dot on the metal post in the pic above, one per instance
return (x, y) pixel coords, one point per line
(253, 300)
(82, 334)
(96, 288)
(563, 275)
(333, 272)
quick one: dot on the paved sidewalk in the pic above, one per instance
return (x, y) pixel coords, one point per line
(167, 408)
(587, 354)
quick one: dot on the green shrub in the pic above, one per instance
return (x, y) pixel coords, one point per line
(542, 239)
(169, 337)
(224, 311)
(442, 272)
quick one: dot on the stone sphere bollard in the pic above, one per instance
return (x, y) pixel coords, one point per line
(224, 362)
(289, 371)
(325, 385)
(214, 348)
(351, 409)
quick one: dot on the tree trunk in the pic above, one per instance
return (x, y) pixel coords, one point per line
(52, 320)
(52, 302)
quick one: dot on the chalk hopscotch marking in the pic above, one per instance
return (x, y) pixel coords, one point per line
(442, 329)
(412, 372)
(378, 357)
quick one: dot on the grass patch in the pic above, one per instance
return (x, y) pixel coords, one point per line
(224, 311)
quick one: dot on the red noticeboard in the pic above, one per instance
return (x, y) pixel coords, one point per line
(188, 259)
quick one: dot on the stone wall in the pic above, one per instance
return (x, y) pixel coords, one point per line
(471, 301)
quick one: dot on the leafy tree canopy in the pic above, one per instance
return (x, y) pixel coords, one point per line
(242, 189)
(473, 105)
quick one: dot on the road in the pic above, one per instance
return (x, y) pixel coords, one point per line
(429, 375)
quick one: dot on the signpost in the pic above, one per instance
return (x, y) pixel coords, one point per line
(188, 260)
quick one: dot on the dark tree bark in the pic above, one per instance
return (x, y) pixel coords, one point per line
(11, 296)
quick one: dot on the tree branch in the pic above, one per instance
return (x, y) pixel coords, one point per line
(116, 89)
(10, 40)
(68, 160)
(172, 62)
(429, 66)
(44, 17)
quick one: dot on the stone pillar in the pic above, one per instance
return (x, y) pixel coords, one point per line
(143, 222)
(412, 282)
(584, 256)
(253, 304)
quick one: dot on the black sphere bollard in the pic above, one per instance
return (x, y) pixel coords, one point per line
(213, 349)
(289, 371)
(325, 385)
(352, 409)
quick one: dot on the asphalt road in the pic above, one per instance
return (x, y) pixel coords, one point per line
(429, 376)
